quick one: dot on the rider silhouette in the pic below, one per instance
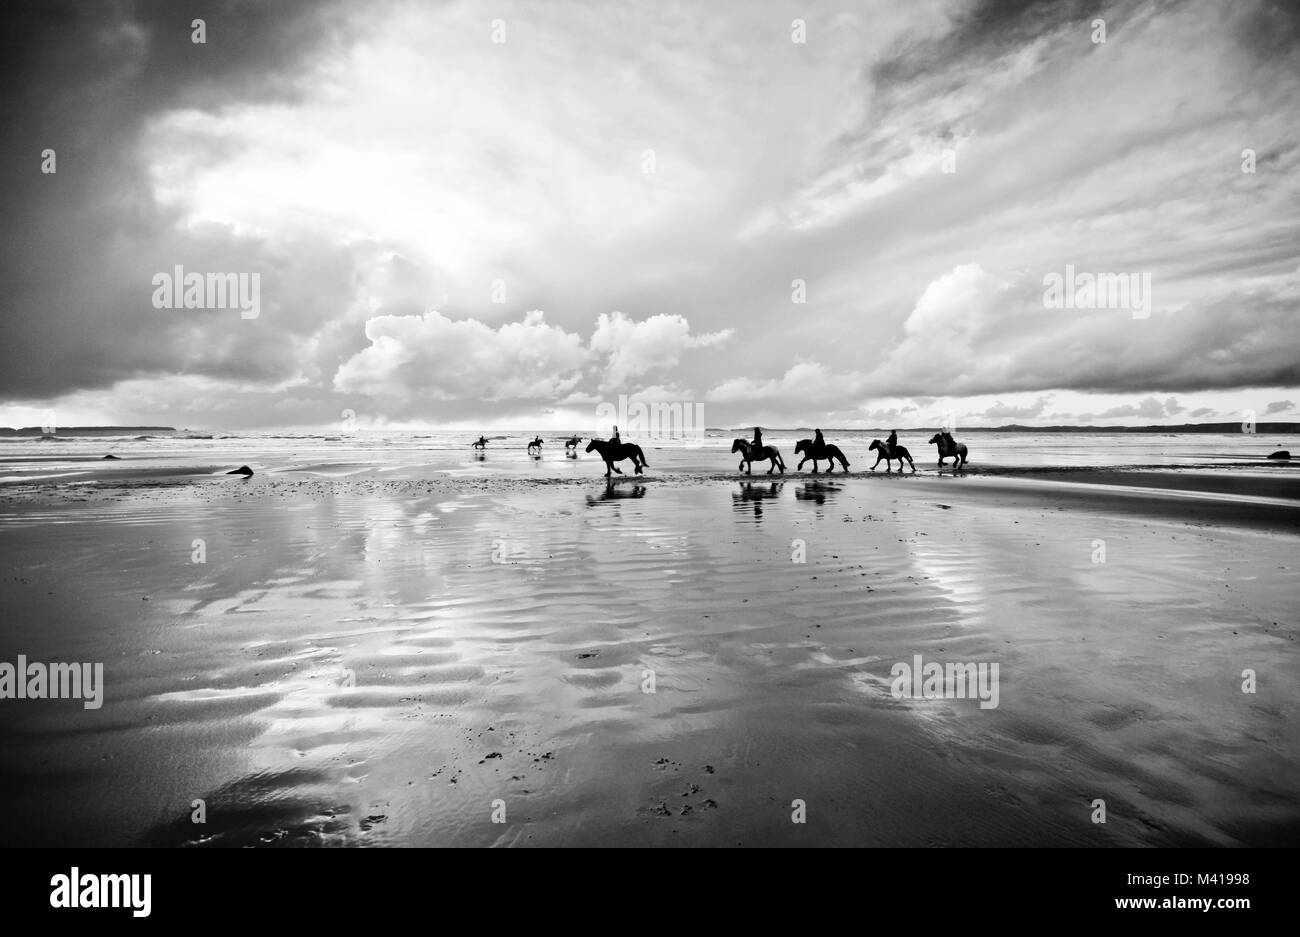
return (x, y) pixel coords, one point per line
(818, 442)
(614, 439)
(892, 441)
(758, 438)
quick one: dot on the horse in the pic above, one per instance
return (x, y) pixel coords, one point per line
(536, 444)
(572, 442)
(749, 455)
(889, 455)
(479, 443)
(613, 452)
(949, 447)
(827, 451)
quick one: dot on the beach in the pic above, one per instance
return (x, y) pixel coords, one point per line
(359, 652)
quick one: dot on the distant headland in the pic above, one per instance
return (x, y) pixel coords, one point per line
(84, 430)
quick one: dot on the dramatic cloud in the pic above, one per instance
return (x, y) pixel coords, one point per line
(849, 229)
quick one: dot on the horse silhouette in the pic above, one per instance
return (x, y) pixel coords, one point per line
(898, 452)
(613, 452)
(750, 454)
(949, 447)
(480, 443)
(572, 442)
(536, 444)
(828, 451)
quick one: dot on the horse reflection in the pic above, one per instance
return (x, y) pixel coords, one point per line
(615, 492)
(757, 493)
(816, 492)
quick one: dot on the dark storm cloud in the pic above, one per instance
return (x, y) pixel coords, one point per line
(80, 245)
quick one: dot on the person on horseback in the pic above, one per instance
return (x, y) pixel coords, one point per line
(948, 440)
(892, 441)
(614, 439)
(757, 444)
(481, 442)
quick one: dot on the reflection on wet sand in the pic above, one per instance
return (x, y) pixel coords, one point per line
(754, 493)
(361, 662)
(817, 492)
(613, 492)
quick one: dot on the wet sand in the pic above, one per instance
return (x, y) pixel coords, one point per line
(373, 661)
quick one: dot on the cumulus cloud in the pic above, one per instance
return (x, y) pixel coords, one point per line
(633, 348)
(1150, 408)
(1279, 406)
(410, 357)
(1001, 411)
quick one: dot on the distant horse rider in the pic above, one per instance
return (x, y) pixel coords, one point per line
(757, 444)
(892, 441)
(480, 443)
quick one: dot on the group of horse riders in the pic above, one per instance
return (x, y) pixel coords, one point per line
(614, 450)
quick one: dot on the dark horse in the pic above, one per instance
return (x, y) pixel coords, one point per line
(572, 442)
(827, 451)
(613, 452)
(950, 447)
(898, 452)
(536, 444)
(749, 454)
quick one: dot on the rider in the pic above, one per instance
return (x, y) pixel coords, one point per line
(482, 442)
(818, 442)
(947, 437)
(758, 439)
(614, 439)
(892, 441)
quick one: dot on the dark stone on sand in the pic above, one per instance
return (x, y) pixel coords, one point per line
(242, 470)
(1280, 454)
(110, 456)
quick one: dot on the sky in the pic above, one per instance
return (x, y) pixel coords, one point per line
(502, 215)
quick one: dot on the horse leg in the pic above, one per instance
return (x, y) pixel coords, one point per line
(608, 465)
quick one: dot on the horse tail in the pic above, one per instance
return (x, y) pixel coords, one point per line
(641, 455)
